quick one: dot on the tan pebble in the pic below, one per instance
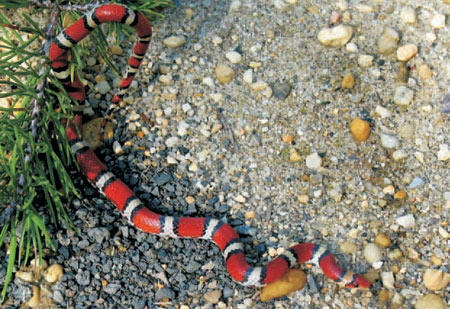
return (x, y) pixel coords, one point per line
(372, 276)
(99, 78)
(255, 64)
(116, 50)
(36, 264)
(189, 12)
(400, 195)
(389, 190)
(383, 240)
(303, 199)
(174, 41)
(91, 132)
(259, 86)
(383, 296)
(270, 34)
(212, 297)
(348, 81)
(372, 253)
(430, 301)
(250, 214)
(348, 247)
(169, 96)
(360, 129)
(294, 156)
(336, 36)
(402, 74)
(395, 269)
(25, 275)
(424, 71)
(413, 254)
(216, 128)
(287, 138)
(313, 9)
(224, 74)
(35, 300)
(190, 199)
(435, 279)
(293, 280)
(140, 134)
(395, 254)
(240, 199)
(53, 273)
(406, 52)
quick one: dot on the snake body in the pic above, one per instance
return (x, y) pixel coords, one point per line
(221, 233)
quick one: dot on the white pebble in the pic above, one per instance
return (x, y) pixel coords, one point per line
(259, 86)
(387, 43)
(389, 141)
(443, 153)
(408, 15)
(208, 81)
(171, 160)
(117, 148)
(406, 52)
(399, 155)
(365, 60)
(197, 46)
(186, 107)
(313, 161)
(172, 141)
(407, 221)
(235, 5)
(174, 41)
(430, 37)
(351, 47)
(233, 56)
(387, 278)
(279, 4)
(103, 87)
(336, 36)
(382, 111)
(438, 21)
(248, 76)
(372, 253)
(165, 79)
(403, 95)
(217, 40)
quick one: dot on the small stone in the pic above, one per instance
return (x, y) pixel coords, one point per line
(235, 5)
(360, 129)
(26, 276)
(406, 221)
(303, 199)
(294, 156)
(259, 86)
(233, 57)
(117, 148)
(406, 52)
(282, 91)
(336, 36)
(403, 96)
(313, 161)
(382, 111)
(417, 182)
(190, 199)
(103, 87)
(383, 296)
(395, 254)
(389, 141)
(212, 297)
(348, 247)
(399, 155)
(116, 50)
(438, 21)
(91, 61)
(383, 240)
(224, 74)
(372, 253)
(351, 47)
(348, 81)
(172, 141)
(248, 76)
(424, 71)
(387, 278)
(365, 61)
(35, 263)
(408, 15)
(400, 195)
(189, 12)
(387, 43)
(335, 17)
(443, 153)
(165, 79)
(436, 261)
(240, 199)
(174, 41)
(430, 301)
(287, 138)
(364, 8)
(53, 273)
(208, 81)
(217, 40)
(402, 73)
(435, 279)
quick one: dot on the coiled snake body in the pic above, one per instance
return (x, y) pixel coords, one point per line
(126, 201)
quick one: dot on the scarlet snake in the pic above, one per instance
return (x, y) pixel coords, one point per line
(222, 234)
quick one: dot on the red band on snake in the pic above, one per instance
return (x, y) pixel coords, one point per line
(126, 201)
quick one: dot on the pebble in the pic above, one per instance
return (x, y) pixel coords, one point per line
(233, 57)
(406, 221)
(259, 86)
(360, 129)
(383, 240)
(224, 74)
(438, 21)
(348, 81)
(174, 41)
(444, 152)
(303, 199)
(217, 40)
(212, 297)
(248, 76)
(112, 288)
(287, 138)
(365, 61)
(103, 87)
(348, 247)
(387, 43)
(387, 278)
(165, 79)
(336, 36)
(382, 111)
(165, 293)
(313, 161)
(389, 141)
(435, 279)
(424, 71)
(399, 155)
(116, 50)
(235, 5)
(294, 156)
(430, 301)
(172, 141)
(117, 148)
(372, 253)
(403, 96)
(417, 182)
(282, 91)
(408, 15)
(351, 47)
(53, 273)
(406, 52)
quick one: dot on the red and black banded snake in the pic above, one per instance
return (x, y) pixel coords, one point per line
(221, 233)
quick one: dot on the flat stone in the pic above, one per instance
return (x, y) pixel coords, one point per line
(403, 96)
(174, 41)
(406, 52)
(281, 91)
(336, 36)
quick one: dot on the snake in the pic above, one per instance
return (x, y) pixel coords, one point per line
(130, 206)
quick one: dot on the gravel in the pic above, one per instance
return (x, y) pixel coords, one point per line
(211, 137)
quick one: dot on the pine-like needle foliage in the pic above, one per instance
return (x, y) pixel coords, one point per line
(35, 187)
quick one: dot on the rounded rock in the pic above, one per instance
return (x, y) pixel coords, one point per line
(387, 278)
(435, 279)
(233, 57)
(383, 240)
(387, 43)
(313, 161)
(406, 52)
(212, 297)
(406, 221)
(103, 87)
(403, 95)
(348, 81)
(224, 74)
(438, 21)
(360, 129)
(430, 301)
(372, 253)
(336, 36)
(424, 71)
(365, 61)
(174, 41)
(389, 141)
(408, 15)
(53, 273)
(399, 155)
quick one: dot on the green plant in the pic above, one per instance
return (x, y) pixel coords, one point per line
(32, 105)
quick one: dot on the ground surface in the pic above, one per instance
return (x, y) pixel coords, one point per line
(233, 159)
